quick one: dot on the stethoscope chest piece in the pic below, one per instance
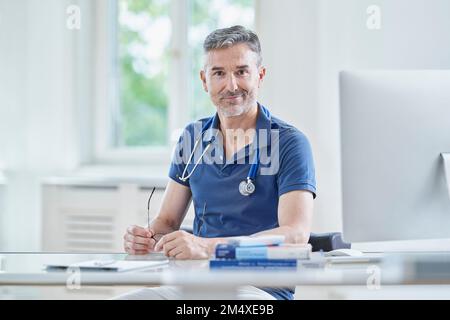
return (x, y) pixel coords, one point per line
(246, 187)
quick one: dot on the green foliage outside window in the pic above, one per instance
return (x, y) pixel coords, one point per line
(206, 16)
(143, 88)
(144, 34)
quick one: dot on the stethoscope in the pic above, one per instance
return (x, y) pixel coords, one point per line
(247, 186)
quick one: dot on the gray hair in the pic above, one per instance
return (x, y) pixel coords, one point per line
(227, 37)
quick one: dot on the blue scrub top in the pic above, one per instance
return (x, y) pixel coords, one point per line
(220, 209)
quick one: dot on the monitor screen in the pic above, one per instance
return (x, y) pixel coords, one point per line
(394, 127)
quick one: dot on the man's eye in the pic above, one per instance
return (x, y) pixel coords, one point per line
(218, 73)
(242, 72)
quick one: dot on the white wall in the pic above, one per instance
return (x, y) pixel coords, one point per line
(414, 35)
(307, 42)
(39, 112)
(288, 32)
(13, 17)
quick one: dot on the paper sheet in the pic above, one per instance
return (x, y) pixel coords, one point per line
(109, 265)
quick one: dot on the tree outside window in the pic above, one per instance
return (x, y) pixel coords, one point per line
(144, 35)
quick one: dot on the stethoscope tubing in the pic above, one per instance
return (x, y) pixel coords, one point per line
(251, 176)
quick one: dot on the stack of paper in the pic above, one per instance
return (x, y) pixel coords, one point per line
(108, 265)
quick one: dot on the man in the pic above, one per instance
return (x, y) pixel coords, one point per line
(229, 145)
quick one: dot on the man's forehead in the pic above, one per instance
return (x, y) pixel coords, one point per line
(235, 56)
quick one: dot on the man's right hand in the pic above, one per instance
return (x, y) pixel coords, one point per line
(138, 240)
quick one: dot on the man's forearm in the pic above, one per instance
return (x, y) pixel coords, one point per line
(292, 235)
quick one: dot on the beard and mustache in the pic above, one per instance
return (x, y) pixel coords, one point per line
(229, 109)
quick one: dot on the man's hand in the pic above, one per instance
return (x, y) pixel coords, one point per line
(183, 245)
(138, 240)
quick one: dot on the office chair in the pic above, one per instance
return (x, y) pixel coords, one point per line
(319, 241)
(327, 241)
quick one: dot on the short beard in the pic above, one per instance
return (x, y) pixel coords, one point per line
(234, 111)
(237, 110)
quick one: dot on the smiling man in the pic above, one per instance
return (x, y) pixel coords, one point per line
(247, 172)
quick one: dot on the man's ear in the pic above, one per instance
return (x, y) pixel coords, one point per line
(261, 75)
(203, 78)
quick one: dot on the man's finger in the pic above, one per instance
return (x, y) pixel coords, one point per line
(138, 252)
(182, 255)
(129, 249)
(152, 243)
(139, 231)
(138, 239)
(137, 246)
(170, 245)
(151, 233)
(166, 238)
(174, 251)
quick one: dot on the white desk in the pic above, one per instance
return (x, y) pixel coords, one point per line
(24, 271)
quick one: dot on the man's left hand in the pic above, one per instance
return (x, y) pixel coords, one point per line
(183, 245)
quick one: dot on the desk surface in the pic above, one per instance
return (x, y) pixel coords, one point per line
(28, 269)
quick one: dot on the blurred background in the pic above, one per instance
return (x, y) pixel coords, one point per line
(93, 95)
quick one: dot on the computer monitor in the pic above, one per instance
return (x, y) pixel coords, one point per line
(394, 127)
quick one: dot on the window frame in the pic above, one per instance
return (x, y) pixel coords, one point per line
(106, 87)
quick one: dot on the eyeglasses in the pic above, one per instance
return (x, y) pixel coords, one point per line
(148, 207)
(154, 237)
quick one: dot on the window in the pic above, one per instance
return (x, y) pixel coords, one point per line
(207, 15)
(154, 89)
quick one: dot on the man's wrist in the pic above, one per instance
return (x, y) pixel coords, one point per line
(211, 244)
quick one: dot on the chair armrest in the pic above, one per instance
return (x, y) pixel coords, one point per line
(327, 241)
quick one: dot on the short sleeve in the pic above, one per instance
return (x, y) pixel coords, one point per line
(180, 156)
(296, 170)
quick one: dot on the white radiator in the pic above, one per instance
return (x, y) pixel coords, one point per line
(94, 217)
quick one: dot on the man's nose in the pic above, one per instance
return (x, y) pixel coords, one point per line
(232, 83)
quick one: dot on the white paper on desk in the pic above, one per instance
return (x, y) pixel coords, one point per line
(114, 266)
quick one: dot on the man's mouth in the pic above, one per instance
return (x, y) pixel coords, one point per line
(233, 97)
